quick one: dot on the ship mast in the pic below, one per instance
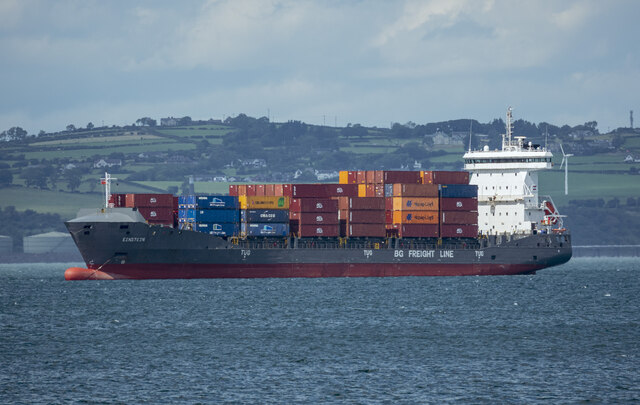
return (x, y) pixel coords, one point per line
(106, 182)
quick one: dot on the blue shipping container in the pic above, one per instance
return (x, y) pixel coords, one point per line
(458, 191)
(264, 216)
(186, 201)
(258, 229)
(218, 215)
(217, 229)
(217, 201)
(184, 213)
(213, 215)
(388, 190)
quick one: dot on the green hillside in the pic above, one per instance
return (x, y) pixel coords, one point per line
(59, 173)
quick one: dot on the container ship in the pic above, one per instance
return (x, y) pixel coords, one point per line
(486, 220)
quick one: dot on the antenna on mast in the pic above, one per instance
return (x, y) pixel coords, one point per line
(106, 182)
(470, 133)
(546, 136)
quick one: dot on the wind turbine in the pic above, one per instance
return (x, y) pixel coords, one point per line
(565, 162)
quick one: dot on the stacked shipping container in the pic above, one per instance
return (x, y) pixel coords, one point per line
(372, 203)
(157, 209)
(213, 214)
(263, 215)
(425, 203)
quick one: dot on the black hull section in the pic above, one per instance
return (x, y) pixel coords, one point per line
(136, 250)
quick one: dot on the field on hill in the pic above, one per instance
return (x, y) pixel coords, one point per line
(159, 159)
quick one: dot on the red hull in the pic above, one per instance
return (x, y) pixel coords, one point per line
(186, 271)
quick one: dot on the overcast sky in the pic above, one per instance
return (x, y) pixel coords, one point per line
(367, 62)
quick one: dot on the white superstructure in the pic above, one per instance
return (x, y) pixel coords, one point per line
(507, 183)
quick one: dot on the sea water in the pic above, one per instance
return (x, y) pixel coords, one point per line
(568, 334)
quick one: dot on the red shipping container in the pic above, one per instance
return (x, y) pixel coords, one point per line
(415, 190)
(149, 200)
(407, 177)
(118, 200)
(242, 189)
(286, 190)
(341, 190)
(378, 190)
(353, 177)
(368, 230)
(310, 230)
(318, 218)
(445, 177)
(233, 190)
(459, 217)
(378, 177)
(260, 190)
(343, 214)
(366, 203)
(458, 231)
(388, 203)
(418, 230)
(175, 203)
(251, 190)
(370, 176)
(458, 204)
(370, 190)
(294, 215)
(270, 190)
(361, 177)
(313, 205)
(366, 217)
(388, 216)
(163, 214)
(308, 190)
(323, 190)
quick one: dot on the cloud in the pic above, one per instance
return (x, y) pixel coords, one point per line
(367, 62)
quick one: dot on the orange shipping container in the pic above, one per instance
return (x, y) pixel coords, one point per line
(343, 177)
(415, 217)
(361, 177)
(415, 203)
(362, 190)
(343, 202)
(260, 190)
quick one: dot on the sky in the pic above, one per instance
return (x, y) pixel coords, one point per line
(318, 61)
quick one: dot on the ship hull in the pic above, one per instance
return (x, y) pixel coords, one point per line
(142, 271)
(115, 250)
